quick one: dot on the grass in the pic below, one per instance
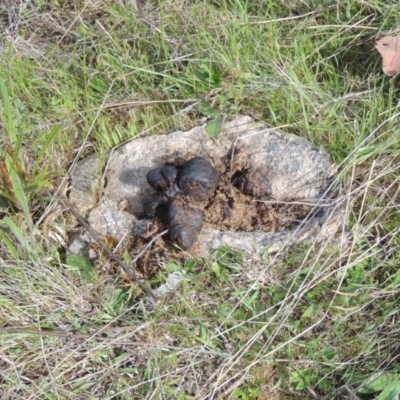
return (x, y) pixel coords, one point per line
(317, 321)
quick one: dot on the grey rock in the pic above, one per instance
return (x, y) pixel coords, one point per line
(294, 168)
(318, 227)
(108, 220)
(81, 243)
(85, 181)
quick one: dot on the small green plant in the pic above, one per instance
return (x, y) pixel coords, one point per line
(387, 384)
(226, 262)
(247, 392)
(300, 379)
(221, 105)
(80, 266)
(215, 121)
(18, 181)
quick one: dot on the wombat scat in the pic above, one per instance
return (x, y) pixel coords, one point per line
(184, 225)
(254, 184)
(162, 178)
(198, 179)
(155, 207)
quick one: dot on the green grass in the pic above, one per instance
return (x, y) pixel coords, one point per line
(318, 321)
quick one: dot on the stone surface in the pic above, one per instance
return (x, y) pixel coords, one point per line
(294, 169)
(108, 220)
(318, 227)
(85, 181)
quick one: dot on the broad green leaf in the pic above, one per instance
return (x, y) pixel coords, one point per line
(31, 188)
(216, 78)
(391, 392)
(310, 311)
(214, 127)
(99, 85)
(202, 76)
(325, 384)
(81, 265)
(239, 393)
(216, 268)
(204, 107)
(173, 267)
(342, 299)
(378, 382)
(203, 334)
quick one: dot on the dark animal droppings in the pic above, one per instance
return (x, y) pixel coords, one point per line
(156, 180)
(163, 178)
(146, 228)
(155, 207)
(169, 173)
(184, 225)
(254, 184)
(198, 179)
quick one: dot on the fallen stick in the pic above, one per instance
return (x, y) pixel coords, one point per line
(129, 270)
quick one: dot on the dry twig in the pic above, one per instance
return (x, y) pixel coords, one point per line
(129, 270)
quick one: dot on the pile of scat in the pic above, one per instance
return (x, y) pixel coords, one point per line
(184, 190)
